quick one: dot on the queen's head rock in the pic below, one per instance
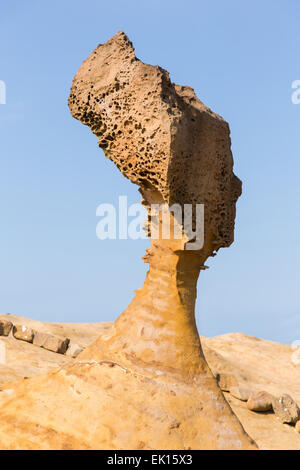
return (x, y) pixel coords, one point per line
(165, 140)
(145, 383)
(159, 135)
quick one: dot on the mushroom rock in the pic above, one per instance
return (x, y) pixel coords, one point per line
(177, 150)
(145, 384)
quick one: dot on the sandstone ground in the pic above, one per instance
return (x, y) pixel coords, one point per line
(255, 364)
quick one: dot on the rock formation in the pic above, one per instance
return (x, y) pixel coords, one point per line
(252, 363)
(177, 150)
(146, 384)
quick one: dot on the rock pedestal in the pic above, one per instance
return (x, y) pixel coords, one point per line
(146, 384)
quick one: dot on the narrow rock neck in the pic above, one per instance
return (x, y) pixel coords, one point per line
(157, 333)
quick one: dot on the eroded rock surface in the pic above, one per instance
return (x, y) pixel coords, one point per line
(159, 134)
(23, 333)
(145, 384)
(260, 401)
(5, 327)
(240, 393)
(177, 150)
(251, 360)
(286, 409)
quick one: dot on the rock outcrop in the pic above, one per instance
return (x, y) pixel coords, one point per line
(177, 150)
(160, 135)
(145, 384)
(257, 365)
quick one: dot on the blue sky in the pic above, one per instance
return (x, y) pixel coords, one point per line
(241, 58)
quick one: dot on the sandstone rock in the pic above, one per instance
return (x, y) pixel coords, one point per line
(297, 426)
(51, 342)
(23, 333)
(241, 393)
(163, 138)
(5, 327)
(226, 382)
(73, 350)
(256, 359)
(286, 409)
(159, 134)
(56, 344)
(40, 338)
(260, 401)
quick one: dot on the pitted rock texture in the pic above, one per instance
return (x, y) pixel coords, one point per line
(145, 384)
(286, 409)
(160, 135)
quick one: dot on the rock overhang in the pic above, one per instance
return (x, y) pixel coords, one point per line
(159, 134)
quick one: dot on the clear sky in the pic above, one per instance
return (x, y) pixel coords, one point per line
(241, 58)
